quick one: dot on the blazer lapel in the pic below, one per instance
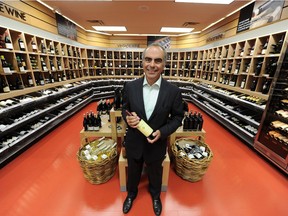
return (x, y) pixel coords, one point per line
(139, 90)
(160, 99)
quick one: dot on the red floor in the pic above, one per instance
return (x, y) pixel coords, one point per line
(46, 180)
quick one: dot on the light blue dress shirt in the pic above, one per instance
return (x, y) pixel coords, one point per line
(150, 95)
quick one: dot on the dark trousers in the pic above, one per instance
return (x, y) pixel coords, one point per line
(154, 172)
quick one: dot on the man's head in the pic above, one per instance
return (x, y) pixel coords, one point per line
(154, 58)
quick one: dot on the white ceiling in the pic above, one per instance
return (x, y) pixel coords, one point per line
(143, 17)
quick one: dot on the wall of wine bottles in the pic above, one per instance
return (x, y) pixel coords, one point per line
(30, 61)
(241, 69)
(25, 118)
(272, 137)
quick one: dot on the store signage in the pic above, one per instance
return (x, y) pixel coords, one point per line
(128, 45)
(65, 27)
(10, 11)
(215, 37)
(259, 13)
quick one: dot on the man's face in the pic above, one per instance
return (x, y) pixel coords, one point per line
(153, 63)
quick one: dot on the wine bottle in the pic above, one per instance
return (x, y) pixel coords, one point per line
(200, 122)
(242, 85)
(143, 127)
(23, 62)
(30, 81)
(233, 81)
(254, 84)
(52, 65)
(19, 64)
(5, 64)
(5, 86)
(52, 51)
(85, 123)
(266, 86)
(21, 44)
(8, 43)
(59, 77)
(186, 122)
(265, 46)
(196, 121)
(43, 47)
(51, 78)
(271, 68)
(64, 77)
(41, 80)
(258, 68)
(190, 121)
(18, 83)
(43, 64)
(34, 46)
(252, 50)
(278, 46)
(215, 77)
(241, 53)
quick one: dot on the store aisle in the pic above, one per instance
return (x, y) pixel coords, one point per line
(47, 180)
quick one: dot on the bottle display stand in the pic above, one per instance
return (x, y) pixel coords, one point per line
(107, 129)
(180, 133)
(122, 172)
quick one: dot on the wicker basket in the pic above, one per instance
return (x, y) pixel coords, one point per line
(102, 169)
(190, 169)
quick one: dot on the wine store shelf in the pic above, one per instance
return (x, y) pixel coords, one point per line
(51, 110)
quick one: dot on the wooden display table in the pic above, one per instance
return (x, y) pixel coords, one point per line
(108, 129)
(122, 172)
(180, 133)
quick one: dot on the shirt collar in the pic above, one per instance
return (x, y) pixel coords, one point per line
(157, 83)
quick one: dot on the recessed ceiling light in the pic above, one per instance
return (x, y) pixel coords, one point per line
(110, 28)
(176, 30)
(207, 1)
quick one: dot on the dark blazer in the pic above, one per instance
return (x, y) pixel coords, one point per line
(166, 117)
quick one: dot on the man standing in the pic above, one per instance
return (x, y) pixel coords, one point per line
(159, 103)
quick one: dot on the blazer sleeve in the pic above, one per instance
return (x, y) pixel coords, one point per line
(176, 113)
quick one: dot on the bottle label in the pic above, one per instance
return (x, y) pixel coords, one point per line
(144, 128)
(34, 47)
(9, 45)
(6, 70)
(6, 89)
(30, 81)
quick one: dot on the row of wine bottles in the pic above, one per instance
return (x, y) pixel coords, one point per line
(92, 121)
(42, 47)
(193, 121)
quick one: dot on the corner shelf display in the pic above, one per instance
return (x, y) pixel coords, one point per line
(27, 117)
(272, 137)
(239, 112)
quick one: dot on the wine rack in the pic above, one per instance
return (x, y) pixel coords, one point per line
(32, 63)
(272, 137)
(26, 118)
(240, 113)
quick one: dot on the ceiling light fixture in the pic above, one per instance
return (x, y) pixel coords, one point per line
(110, 28)
(206, 1)
(176, 30)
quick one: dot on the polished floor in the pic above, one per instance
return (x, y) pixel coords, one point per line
(46, 180)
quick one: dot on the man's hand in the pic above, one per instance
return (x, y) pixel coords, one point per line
(133, 120)
(157, 135)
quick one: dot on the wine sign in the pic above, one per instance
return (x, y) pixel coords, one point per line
(259, 13)
(12, 12)
(65, 27)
